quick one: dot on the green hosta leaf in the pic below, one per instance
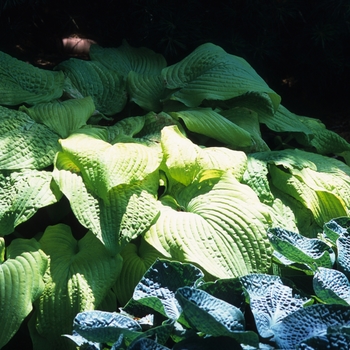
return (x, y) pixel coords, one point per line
(104, 166)
(331, 286)
(157, 287)
(80, 275)
(207, 122)
(62, 117)
(297, 248)
(126, 58)
(24, 143)
(184, 160)
(214, 316)
(317, 182)
(106, 87)
(210, 73)
(270, 300)
(311, 321)
(285, 121)
(248, 120)
(126, 211)
(21, 82)
(137, 259)
(105, 327)
(146, 90)
(216, 223)
(22, 194)
(21, 283)
(229, 290)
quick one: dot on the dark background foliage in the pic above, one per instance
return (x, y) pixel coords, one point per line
(299, 47)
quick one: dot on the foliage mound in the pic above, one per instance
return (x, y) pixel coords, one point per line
(110, 163)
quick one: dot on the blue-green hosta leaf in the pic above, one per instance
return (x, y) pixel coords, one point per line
(159, 284)
(229, 290)
(146, 344)
(214, 316)
(21, 282)
(331, 286)
(207, 122)
(22, 194)
(330, 341)
(343, 258)
(105, 86)
(21, 82)
(105, 327)
(62, 117)
(104, 166)
(216, 223)
(80, 275)
(336, 227)
(24, 143)
(270, 300)
(184, 160)
(137, 259)
(211, 73)
(248, 120)
(311, 321)
(297, 248)
(126, 58)
(146, 90)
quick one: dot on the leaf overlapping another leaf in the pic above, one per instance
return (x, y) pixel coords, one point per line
(21, 283)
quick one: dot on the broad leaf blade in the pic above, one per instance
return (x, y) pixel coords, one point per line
(80, 274)
(21, 82)
(62, 117)
(106, 87)
(210, 73)
(311, 321)
(207, 122)
(25, 143)
(157, 287)
(22, 194)
(21, 283)
(216, 223)
(331, 286)
(270, 300)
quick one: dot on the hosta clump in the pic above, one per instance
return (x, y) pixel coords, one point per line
(190, 178)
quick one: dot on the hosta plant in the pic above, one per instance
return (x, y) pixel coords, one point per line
(97, 192)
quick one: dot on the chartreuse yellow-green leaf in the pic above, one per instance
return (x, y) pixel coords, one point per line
(21, 82)
(63, 117)
(22, 193)
(21, 283)
(216, 223)
(25, 143)
(184, 159)
(104, 166)
(79, 276)
(211, 73)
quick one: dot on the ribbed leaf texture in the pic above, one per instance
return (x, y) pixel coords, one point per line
(21, 82)
(21, 283)
(25, 143)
